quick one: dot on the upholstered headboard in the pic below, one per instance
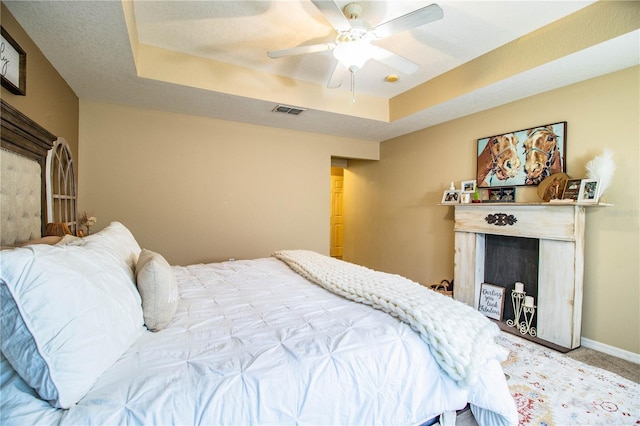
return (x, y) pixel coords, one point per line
(23, 157)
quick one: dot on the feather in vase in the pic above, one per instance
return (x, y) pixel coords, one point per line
(602, 168)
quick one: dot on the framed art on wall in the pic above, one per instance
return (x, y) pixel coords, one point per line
(523, 157)
(13, 68)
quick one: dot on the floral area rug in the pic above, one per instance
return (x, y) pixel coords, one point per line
(551, 389)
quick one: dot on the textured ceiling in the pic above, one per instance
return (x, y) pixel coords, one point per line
(89, 43)
(242, 32)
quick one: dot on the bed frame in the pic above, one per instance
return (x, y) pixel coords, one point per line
(22, 136)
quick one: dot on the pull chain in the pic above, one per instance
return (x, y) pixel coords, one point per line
(353, 87)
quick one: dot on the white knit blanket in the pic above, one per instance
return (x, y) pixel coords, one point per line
(460, 338)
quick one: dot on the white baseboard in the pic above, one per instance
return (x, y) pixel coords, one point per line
(610, 350)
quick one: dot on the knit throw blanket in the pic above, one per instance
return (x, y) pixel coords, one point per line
(460, 338)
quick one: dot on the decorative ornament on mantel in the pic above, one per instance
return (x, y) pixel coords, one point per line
(552, 186)
(602, 168)
(87, 221)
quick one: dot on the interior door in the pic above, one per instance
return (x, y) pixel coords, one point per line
(337, 214)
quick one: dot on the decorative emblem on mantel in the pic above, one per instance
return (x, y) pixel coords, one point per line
(501, 219)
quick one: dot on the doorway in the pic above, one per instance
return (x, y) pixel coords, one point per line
(337, 212)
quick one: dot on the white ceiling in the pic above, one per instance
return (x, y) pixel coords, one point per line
(88, 43)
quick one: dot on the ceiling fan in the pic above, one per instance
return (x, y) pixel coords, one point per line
(353, 45)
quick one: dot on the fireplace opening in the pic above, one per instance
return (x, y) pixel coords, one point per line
(509, 260)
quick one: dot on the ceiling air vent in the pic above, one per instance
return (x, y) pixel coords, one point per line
(288, 109)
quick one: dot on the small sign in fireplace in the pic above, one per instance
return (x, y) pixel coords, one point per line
(491, 301)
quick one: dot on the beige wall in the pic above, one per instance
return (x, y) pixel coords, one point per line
(49, 101)
(197, 189)
(393, 222)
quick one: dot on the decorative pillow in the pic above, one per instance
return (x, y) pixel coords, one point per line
(67, 314)
(158, 288)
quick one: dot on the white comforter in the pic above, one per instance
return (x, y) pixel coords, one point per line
(460, 338)
(254, 343)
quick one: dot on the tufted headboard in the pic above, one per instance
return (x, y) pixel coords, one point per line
(24, 145)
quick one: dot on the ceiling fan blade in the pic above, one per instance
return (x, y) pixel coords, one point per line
(301, 50)
(398, 62)
(411, 20)
(333, 13)
(337, 76)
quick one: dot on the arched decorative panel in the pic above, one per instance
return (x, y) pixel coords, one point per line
(62, 203)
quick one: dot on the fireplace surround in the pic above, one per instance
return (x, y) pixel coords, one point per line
(559, 228)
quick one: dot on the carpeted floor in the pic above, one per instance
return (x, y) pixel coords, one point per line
(554, 388)
(627, 369)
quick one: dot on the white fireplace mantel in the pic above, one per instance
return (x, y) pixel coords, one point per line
(560, 231)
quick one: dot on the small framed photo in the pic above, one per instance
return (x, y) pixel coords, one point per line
(451, 196)
(468, 186)
(571, 189)
(506, 194)
(465, 197)
(588, 191)
(491, 301)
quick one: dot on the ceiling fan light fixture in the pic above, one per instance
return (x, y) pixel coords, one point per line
(353, 54)
(353, 44)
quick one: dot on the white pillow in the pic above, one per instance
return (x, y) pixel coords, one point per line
(67, 314)
(118, 238)
(158, 288)
(69, 239)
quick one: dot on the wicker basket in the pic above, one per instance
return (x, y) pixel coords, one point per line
(445, 288)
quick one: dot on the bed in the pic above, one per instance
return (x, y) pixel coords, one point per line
(99, 330)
